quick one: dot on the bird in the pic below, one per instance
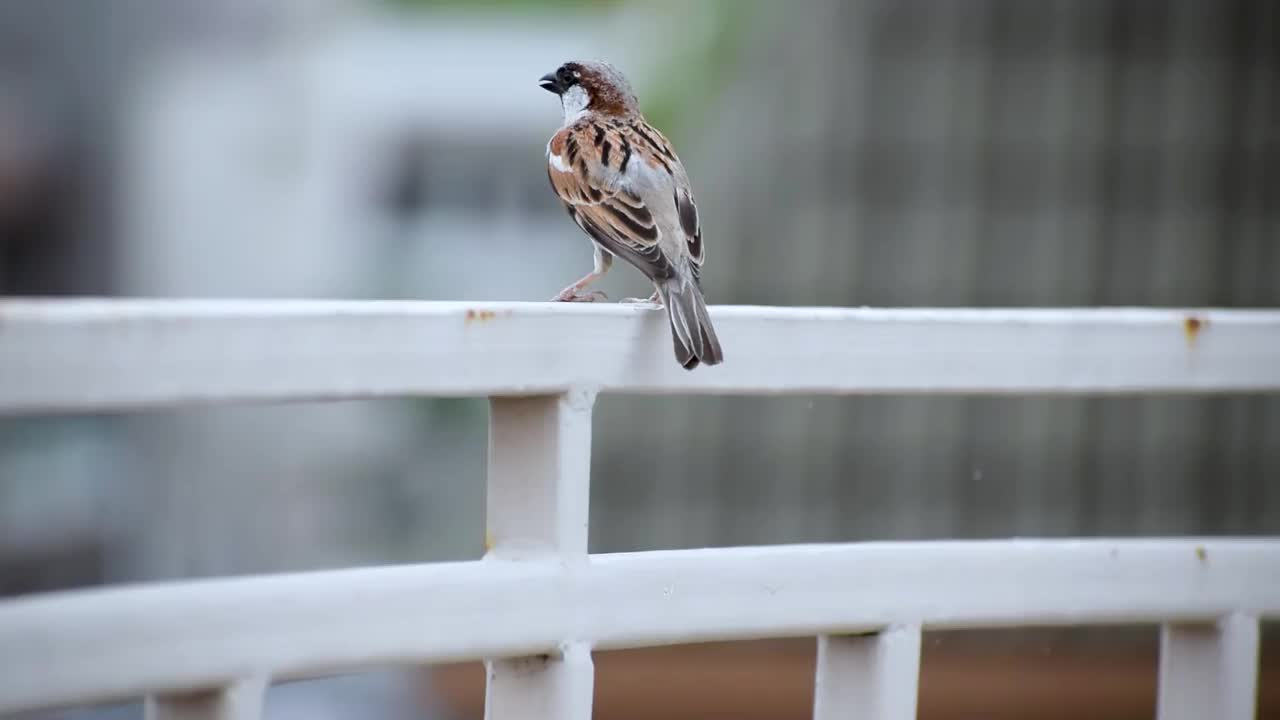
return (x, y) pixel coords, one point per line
(623, 185)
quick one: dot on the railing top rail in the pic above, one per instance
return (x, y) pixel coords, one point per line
(61, 355)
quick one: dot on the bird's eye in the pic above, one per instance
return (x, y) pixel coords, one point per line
(566, 76)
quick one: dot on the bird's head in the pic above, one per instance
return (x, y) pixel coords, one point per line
(591, 86)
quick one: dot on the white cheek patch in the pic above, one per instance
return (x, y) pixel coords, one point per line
(557, 162)
(575, 101)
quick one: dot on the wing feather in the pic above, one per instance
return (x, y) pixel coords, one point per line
(691, 224)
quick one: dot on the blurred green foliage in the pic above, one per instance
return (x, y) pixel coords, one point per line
(535, 5)
(694, 72)
(692, 67)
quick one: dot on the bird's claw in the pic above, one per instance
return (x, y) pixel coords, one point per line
(568, 295)
(653, 299)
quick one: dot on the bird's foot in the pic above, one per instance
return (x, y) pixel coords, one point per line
(569, 294)
(653, 299)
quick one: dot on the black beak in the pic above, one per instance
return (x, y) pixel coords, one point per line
(549, 83)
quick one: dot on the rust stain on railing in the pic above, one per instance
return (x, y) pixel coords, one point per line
(473, 316)
(1191, 327)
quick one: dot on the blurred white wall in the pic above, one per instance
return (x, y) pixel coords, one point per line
(355, 155)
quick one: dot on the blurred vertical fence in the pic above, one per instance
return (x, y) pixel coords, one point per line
(989, 153)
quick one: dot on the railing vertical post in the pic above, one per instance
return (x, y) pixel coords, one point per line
(1209, 670)
(874, 676)
(537, 506)
(238, 701)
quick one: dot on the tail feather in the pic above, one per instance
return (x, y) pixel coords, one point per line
(692, 334)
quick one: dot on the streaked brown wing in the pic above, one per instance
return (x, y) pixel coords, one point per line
(663, 155)
(613, 217)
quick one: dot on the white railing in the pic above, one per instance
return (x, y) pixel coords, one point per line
(538, 604)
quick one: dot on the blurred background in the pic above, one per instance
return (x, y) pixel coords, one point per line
(844, 152)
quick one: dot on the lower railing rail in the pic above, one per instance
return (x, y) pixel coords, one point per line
(188, 642)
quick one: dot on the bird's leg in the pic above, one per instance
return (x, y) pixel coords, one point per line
(654, 299)
(603, 261)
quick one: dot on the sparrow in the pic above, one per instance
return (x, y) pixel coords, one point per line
(624, 186)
